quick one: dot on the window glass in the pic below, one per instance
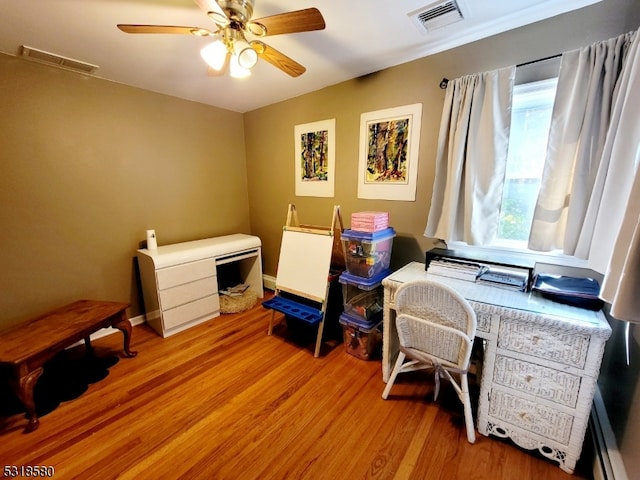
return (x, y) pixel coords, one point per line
(530, 119)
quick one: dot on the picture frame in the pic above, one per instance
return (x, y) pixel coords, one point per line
(388, 155)
(315, 158)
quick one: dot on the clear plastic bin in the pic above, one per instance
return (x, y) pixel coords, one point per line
(363, 297)
(361, 339)
(367, 254)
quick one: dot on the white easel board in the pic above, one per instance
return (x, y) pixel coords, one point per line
(305, 261)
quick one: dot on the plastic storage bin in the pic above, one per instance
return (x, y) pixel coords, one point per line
(363, 297)
(367, 254)
(361, 339)
(369, 221)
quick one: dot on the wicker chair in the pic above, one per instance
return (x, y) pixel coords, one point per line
(436, 327)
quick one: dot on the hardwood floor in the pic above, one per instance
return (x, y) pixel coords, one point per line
(225, 401)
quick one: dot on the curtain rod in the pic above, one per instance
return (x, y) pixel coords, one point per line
(445, 81)
(539, 60)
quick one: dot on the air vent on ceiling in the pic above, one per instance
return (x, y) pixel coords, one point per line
(41, 56)
(437, 15)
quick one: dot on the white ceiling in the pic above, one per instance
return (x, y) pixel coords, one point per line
(361, 36)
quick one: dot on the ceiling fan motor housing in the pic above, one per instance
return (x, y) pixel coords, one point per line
(239, 11)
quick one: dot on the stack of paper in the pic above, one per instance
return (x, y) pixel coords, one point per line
(455, 268)
(236, 291)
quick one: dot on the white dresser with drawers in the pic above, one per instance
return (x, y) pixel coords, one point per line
(180, 281)
(541, 363)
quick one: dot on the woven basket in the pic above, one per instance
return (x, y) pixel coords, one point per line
(238, 304)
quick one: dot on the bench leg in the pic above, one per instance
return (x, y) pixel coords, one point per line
(90, 352)
(124, 326)
(23, 388)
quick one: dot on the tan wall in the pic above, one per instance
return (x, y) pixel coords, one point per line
(270, 157)
(86, 166)
(270, 138)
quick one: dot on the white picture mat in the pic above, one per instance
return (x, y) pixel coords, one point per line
(305, 260)
(317, 188)
(384, 190)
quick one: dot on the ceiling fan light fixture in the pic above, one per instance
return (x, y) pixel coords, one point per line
(236, 70)
(230, 50)
(257, 29)
(214, 54)
(200, 32)
(247, 57)
(218, 17)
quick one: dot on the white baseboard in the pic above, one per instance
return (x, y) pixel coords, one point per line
(607, 462)
(138, 320)
(269, 282)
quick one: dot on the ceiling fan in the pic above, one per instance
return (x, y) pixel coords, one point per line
(231, 50)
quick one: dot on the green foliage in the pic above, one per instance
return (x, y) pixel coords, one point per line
(517, 209)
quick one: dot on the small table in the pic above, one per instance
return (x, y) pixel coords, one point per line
(24, 348)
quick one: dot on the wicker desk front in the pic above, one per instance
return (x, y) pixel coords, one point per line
(541, 363)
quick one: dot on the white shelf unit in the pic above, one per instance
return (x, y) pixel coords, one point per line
(180, 281)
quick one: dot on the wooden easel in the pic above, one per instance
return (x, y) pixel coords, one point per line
(308, 256)
(336, 228)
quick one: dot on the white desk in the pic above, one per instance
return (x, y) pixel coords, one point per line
(541, 363)
(179, 281)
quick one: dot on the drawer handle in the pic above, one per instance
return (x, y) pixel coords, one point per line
(535, 339)
(528, 378)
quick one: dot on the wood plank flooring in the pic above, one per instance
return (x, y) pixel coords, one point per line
(224, 400)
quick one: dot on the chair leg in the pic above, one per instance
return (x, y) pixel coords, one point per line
(394, 374)
(468, 414)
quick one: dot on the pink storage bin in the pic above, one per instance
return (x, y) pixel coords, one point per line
(369, 221)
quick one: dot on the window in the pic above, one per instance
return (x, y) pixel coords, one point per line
(530, 119)
(531, 111)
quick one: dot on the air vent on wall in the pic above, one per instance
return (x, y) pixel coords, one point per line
(437, 15)
(48, 58)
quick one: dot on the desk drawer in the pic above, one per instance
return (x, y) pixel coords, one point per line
(488, 317)
(542, 382)
(191, 311)
(187, 292)
(531, 416)
(556, 345)
(185, 273)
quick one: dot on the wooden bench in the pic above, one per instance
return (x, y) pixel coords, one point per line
(26, 347)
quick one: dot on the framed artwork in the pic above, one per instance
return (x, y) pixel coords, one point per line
(388, 161)
(315, 158)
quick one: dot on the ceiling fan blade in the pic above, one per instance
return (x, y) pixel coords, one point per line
(278, 59)
(201, 32)
(305, 20)
(213, 11)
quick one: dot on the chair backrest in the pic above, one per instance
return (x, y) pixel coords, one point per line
(435, 319)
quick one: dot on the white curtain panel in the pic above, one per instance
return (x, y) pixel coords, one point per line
(471, 158)
(615, 249)
(587, 86)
